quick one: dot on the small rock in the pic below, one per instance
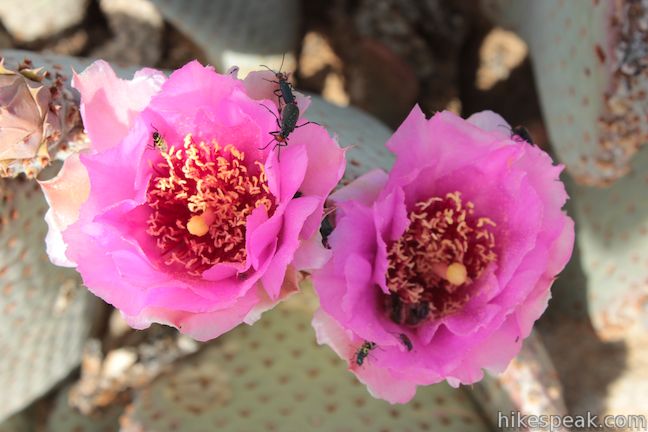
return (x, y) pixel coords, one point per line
(500, 53)
(137, 27)
(321, 70)
(28, 21)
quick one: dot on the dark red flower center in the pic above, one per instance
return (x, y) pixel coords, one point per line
(200, 196)
(431, 267)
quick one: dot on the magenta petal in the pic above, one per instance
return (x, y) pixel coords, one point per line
(512, 184)
(296, 213)
(391, 219)
(290, 180)
(471, 318)
(380, 382)
(261, 238)
(200, 326)
(134, 246)
(328, 331)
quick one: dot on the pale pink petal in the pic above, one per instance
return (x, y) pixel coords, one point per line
(109, 104)
(259, 85)
(491, 122)
(380, 383)
(312, 254)
(289, 287)
(364, 189)
(65, 194)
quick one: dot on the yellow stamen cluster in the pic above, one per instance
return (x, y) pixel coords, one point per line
(444, 249)
(200, 198)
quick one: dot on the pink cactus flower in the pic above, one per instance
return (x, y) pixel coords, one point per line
(440, 268)
(175, 215)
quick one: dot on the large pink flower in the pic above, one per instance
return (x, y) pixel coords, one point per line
(440, 268)
(205, 230)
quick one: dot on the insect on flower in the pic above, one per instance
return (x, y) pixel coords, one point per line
(406, 341)
(409, 314)
(159, 142)
(520, 133)
(197, 212)
(326, 228)
(287, 124)
(363, 352)
(285, 88)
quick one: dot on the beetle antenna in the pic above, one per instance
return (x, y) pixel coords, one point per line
(270, 111)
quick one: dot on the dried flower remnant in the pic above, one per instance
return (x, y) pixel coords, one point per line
(39, 119)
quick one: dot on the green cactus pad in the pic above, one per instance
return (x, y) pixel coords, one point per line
(243, 33)
(612, 235)
(530, 385)
(45, 313)
(274, 376)
(592, 81)
(595, 327)
(363, 135)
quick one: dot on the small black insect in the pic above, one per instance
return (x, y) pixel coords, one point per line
(417, 313)
(285, 88)
(406, 341)
(521, 133)
(363, 352)
(287, 125)
(395, 305)
(326, 228)
(159, 142)
(405, 313)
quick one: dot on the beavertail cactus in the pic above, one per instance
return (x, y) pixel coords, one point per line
(274, 377)
(45, 314)
(242, 33)
(612, 233)
(361, 134)
(591, 67)
(530, 385)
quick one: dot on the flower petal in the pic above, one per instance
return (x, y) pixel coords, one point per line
(109, 104)
(65, 194)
